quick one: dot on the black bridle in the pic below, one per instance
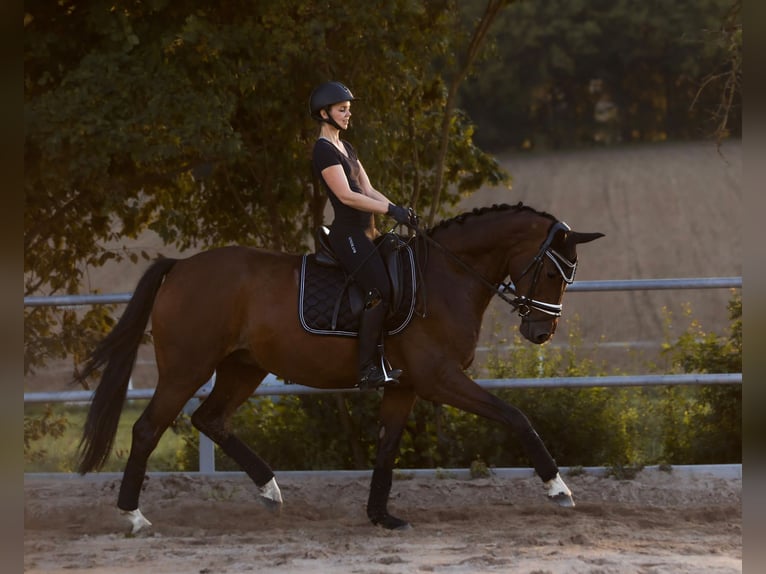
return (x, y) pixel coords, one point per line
(524, 304)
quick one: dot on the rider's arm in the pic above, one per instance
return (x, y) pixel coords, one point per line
(336, 180)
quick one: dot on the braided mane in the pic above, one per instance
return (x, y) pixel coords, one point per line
(479, 211)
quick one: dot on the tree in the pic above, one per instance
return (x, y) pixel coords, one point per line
(727, 77)
(192, 121)
(478, 38)
(556, 60)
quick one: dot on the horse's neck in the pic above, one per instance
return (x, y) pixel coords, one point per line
(484, 246)
(490, 245)
(471, 269)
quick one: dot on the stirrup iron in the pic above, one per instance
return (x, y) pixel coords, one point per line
(390, 375)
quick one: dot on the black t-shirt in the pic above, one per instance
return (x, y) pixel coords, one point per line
(325, 154)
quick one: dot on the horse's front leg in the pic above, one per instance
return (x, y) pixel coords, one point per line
(455, 388)
(394, 409)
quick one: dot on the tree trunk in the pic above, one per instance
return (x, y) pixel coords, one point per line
(479, 35)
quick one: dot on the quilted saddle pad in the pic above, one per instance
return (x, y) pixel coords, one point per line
(321, 287)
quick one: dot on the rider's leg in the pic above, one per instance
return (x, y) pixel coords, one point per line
(372, 370)
(361, 259)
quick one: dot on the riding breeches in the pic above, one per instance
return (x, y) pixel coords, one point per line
(359, 258)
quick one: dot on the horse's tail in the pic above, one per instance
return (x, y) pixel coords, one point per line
(117, 352)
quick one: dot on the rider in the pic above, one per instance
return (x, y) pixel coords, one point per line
(352, 231)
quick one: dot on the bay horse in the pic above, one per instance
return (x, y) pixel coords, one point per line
(232, 311)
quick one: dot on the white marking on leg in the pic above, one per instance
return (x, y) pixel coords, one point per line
(271, 491)
(557, 486)
(137, 519)
(559, 492)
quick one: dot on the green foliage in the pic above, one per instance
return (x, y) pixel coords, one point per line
(579, 425)
(554, 62)
(57, 333)
(622, 429)
(193, 122)
(626, 428)
(582, 426)
(703, 424)
(696, 351)
(624, 472)
(479, 469)
(52, 434)
(576, 470)
(442, 474)
(298, 432)
(36, 428)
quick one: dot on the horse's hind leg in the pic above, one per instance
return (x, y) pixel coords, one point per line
(234, 384)
(394, 409)
(167, 402)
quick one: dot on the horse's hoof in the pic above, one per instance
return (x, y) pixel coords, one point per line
(271, 496)
(272, 506)
(391, 523)
(137, 520)
(562, 499)
(559, 492)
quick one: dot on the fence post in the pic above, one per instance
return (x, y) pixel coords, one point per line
(206, 454)
(206, 445)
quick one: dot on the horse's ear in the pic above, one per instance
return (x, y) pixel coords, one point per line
(577, 237)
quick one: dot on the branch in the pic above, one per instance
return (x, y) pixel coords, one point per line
(479, 36)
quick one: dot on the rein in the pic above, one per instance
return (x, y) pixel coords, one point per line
(522, 304)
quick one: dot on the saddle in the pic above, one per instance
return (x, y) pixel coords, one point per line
(331, 302)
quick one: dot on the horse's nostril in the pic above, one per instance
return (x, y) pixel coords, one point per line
(542, 337)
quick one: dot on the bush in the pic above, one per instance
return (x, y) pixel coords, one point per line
(300, 432)
(38, 428)
(616, 427)
(703, 424)
(580, 426)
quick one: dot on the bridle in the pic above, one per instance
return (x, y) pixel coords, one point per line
(525, 304)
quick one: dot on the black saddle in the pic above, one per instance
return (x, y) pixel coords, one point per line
(330, 302)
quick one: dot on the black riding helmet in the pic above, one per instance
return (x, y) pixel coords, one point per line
(324, 96)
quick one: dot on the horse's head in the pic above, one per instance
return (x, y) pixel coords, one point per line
(540, 281)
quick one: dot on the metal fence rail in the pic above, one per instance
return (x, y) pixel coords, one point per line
(577, 286)
(274, 386)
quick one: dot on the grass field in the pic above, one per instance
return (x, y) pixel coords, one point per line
(59, 454)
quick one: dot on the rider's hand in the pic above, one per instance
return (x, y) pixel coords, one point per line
(414, 219)
(401, 215)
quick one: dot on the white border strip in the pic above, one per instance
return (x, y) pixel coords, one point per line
(726, 471)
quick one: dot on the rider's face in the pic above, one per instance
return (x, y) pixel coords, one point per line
(341, 113)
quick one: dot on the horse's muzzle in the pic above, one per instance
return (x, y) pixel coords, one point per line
(538, 332)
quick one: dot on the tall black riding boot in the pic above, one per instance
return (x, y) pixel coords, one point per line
(373, 370)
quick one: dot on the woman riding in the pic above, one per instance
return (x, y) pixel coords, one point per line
(355, 201)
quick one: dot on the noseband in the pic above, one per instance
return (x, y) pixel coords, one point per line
(525, 304)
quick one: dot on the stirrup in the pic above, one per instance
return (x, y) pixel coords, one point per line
(375, 376)
(391, 375)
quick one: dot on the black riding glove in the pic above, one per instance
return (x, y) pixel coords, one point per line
(402, 215)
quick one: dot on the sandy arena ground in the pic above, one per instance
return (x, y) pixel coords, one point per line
(656, 523)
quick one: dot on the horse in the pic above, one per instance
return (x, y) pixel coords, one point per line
(232, 311)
